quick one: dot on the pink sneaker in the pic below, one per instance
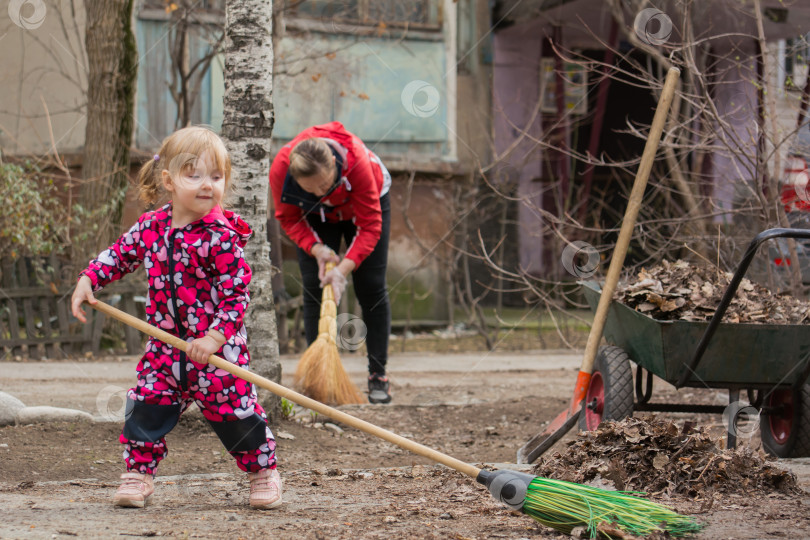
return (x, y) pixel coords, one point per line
(265, 489)
(134, 490)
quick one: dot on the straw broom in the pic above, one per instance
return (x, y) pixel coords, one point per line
(320, 374)
(554, 503)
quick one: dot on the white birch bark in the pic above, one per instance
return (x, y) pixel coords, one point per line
(246, 127)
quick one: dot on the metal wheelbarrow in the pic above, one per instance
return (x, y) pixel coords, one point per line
(771, 362)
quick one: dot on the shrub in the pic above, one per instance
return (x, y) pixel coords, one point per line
(31, 223)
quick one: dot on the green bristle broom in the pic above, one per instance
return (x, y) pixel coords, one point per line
(555, 503)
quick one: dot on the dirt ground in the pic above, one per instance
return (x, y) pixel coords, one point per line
(57, 479)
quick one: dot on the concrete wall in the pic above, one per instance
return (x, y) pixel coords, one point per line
(474, 56)
(734, 174)
(42, 67)
(422, 224)
(734, 159)
(787, 99)
(516, 89)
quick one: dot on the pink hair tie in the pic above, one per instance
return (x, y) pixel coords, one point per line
(157, 157)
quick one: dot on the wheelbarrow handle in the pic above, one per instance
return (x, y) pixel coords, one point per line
(758, 240)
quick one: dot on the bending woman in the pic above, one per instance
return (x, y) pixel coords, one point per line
(327, 186)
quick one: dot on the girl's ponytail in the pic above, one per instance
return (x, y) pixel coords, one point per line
(149, 181)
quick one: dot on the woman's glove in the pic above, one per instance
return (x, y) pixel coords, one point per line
(323, 254)
(335, 278)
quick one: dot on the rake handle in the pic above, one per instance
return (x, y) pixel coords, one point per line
(625, 235)
(295, 397)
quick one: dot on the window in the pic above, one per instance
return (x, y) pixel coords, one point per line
(421, 14)
(197, 5)
(179, 69)
(413, 11)
(575, 85)
(797, 52)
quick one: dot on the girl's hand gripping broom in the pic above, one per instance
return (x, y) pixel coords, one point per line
(320, 374)
(555, 503)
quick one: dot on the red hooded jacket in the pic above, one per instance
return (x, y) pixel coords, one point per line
(357, 198)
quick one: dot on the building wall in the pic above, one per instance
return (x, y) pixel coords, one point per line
(516, 89)
(364, 84)
(585, 25)
(734, 175)
(474, 56)
(422, 222)
(788, 95)
(43, 77)
(734, 164)
(401, 91)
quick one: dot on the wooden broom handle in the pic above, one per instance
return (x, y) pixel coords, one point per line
(328, 295)
(282, 391)
(629, 221)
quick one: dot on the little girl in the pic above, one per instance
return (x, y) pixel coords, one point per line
(198, 289)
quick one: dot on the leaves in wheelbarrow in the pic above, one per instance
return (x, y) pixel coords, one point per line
(658, 457)
(683, 291)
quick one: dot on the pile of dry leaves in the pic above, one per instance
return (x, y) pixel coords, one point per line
(683, 291)
(657, 457)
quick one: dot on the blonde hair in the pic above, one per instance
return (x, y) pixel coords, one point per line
(178, 153)
(309, 157)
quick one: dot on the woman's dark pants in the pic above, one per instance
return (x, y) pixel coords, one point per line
(368, 280)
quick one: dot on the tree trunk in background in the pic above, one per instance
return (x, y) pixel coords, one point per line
(112, 58)
(247, 125)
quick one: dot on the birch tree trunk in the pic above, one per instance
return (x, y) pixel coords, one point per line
(112, 58)
(247, 125)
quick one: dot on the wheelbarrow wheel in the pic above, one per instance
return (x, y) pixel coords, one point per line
(610, 394)
(786, 431)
